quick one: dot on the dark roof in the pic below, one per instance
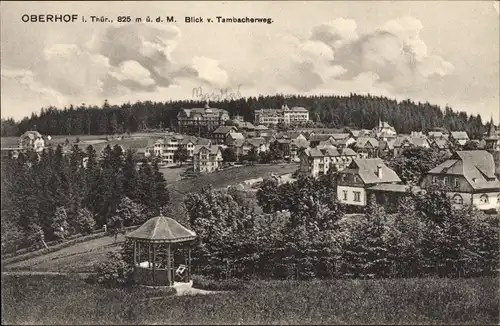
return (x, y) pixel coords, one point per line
(224, 129)
(363, 141)
(162, 229)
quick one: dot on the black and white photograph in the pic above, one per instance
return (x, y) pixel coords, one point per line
(250, 162)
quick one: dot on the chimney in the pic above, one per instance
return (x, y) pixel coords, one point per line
(379, 171)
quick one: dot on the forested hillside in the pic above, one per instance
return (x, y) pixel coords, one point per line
(331, 111)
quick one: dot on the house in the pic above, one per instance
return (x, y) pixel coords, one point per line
(367, 147)
(469, 177)
(385, 135)
(296, 135)
(285, 115)
(245, 126)
(32, 141)
(343, 143)
(296, 145)
(316, 162)
(207, 159)
(384, 128)
(404, 142)
(206, 118)
(233, 138)
(440, 143)
(258, 143)
(360, 133)
(362, 174)
(386, 147)
(492, 140)
(284, 146)
(459, 138)
(220, 134)
(189, 142)
(262, 131)
(164, 148)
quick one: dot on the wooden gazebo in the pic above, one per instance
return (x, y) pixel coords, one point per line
(159, 235)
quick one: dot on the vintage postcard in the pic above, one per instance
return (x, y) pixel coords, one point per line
(250, 162)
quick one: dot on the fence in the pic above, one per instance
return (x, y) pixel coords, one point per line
(35, 251)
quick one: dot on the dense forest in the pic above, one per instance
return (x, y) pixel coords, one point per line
(56, 196)
(329, 111)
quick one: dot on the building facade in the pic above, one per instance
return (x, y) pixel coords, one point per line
(198, 120)
(207, 159)
(285, 115)
(469, 178)
(353, 183)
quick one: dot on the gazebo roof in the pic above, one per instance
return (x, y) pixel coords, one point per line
(162, 229)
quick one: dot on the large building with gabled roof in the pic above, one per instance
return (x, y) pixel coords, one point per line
(469, 178)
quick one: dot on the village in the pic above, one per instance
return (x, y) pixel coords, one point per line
(471, 174)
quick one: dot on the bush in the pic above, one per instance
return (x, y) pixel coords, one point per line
(114, 272)
(232, 284)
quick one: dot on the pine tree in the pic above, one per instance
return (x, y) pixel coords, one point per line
(60, 224)
(130, 176)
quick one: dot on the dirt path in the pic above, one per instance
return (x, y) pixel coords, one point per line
(187, 289)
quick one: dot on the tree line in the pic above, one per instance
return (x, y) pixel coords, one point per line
(55, 195)
(300, 231)
(358, 111)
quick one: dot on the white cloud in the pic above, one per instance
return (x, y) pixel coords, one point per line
(209, 70)
(133, 71)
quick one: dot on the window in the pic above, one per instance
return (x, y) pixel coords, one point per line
(498, 199)
(455, 180)
(357, 196)
(445, 181)
(345, 194)
(457, 199)
(483, 199)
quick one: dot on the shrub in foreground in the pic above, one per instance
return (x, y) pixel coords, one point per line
(114, 272)
(204, 283)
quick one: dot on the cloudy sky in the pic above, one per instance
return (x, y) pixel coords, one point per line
(443, 52)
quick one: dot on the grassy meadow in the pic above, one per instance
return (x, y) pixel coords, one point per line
(63, 300)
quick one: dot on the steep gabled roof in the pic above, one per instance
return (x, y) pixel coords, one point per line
(212, 149)
(363, 142)
(478, 167)
(162, 229)
(367, 170)
(236, 135)
(459, 135)
(224, 129)
(313, 152)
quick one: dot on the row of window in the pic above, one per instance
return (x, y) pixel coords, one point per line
(484, 199)
(356, 194)
(446, 181)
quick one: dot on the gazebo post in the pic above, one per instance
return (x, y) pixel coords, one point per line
(135, 253)
(154, 263)
(189, 262)
(138, 251)
(149, 254)
(169, 271)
